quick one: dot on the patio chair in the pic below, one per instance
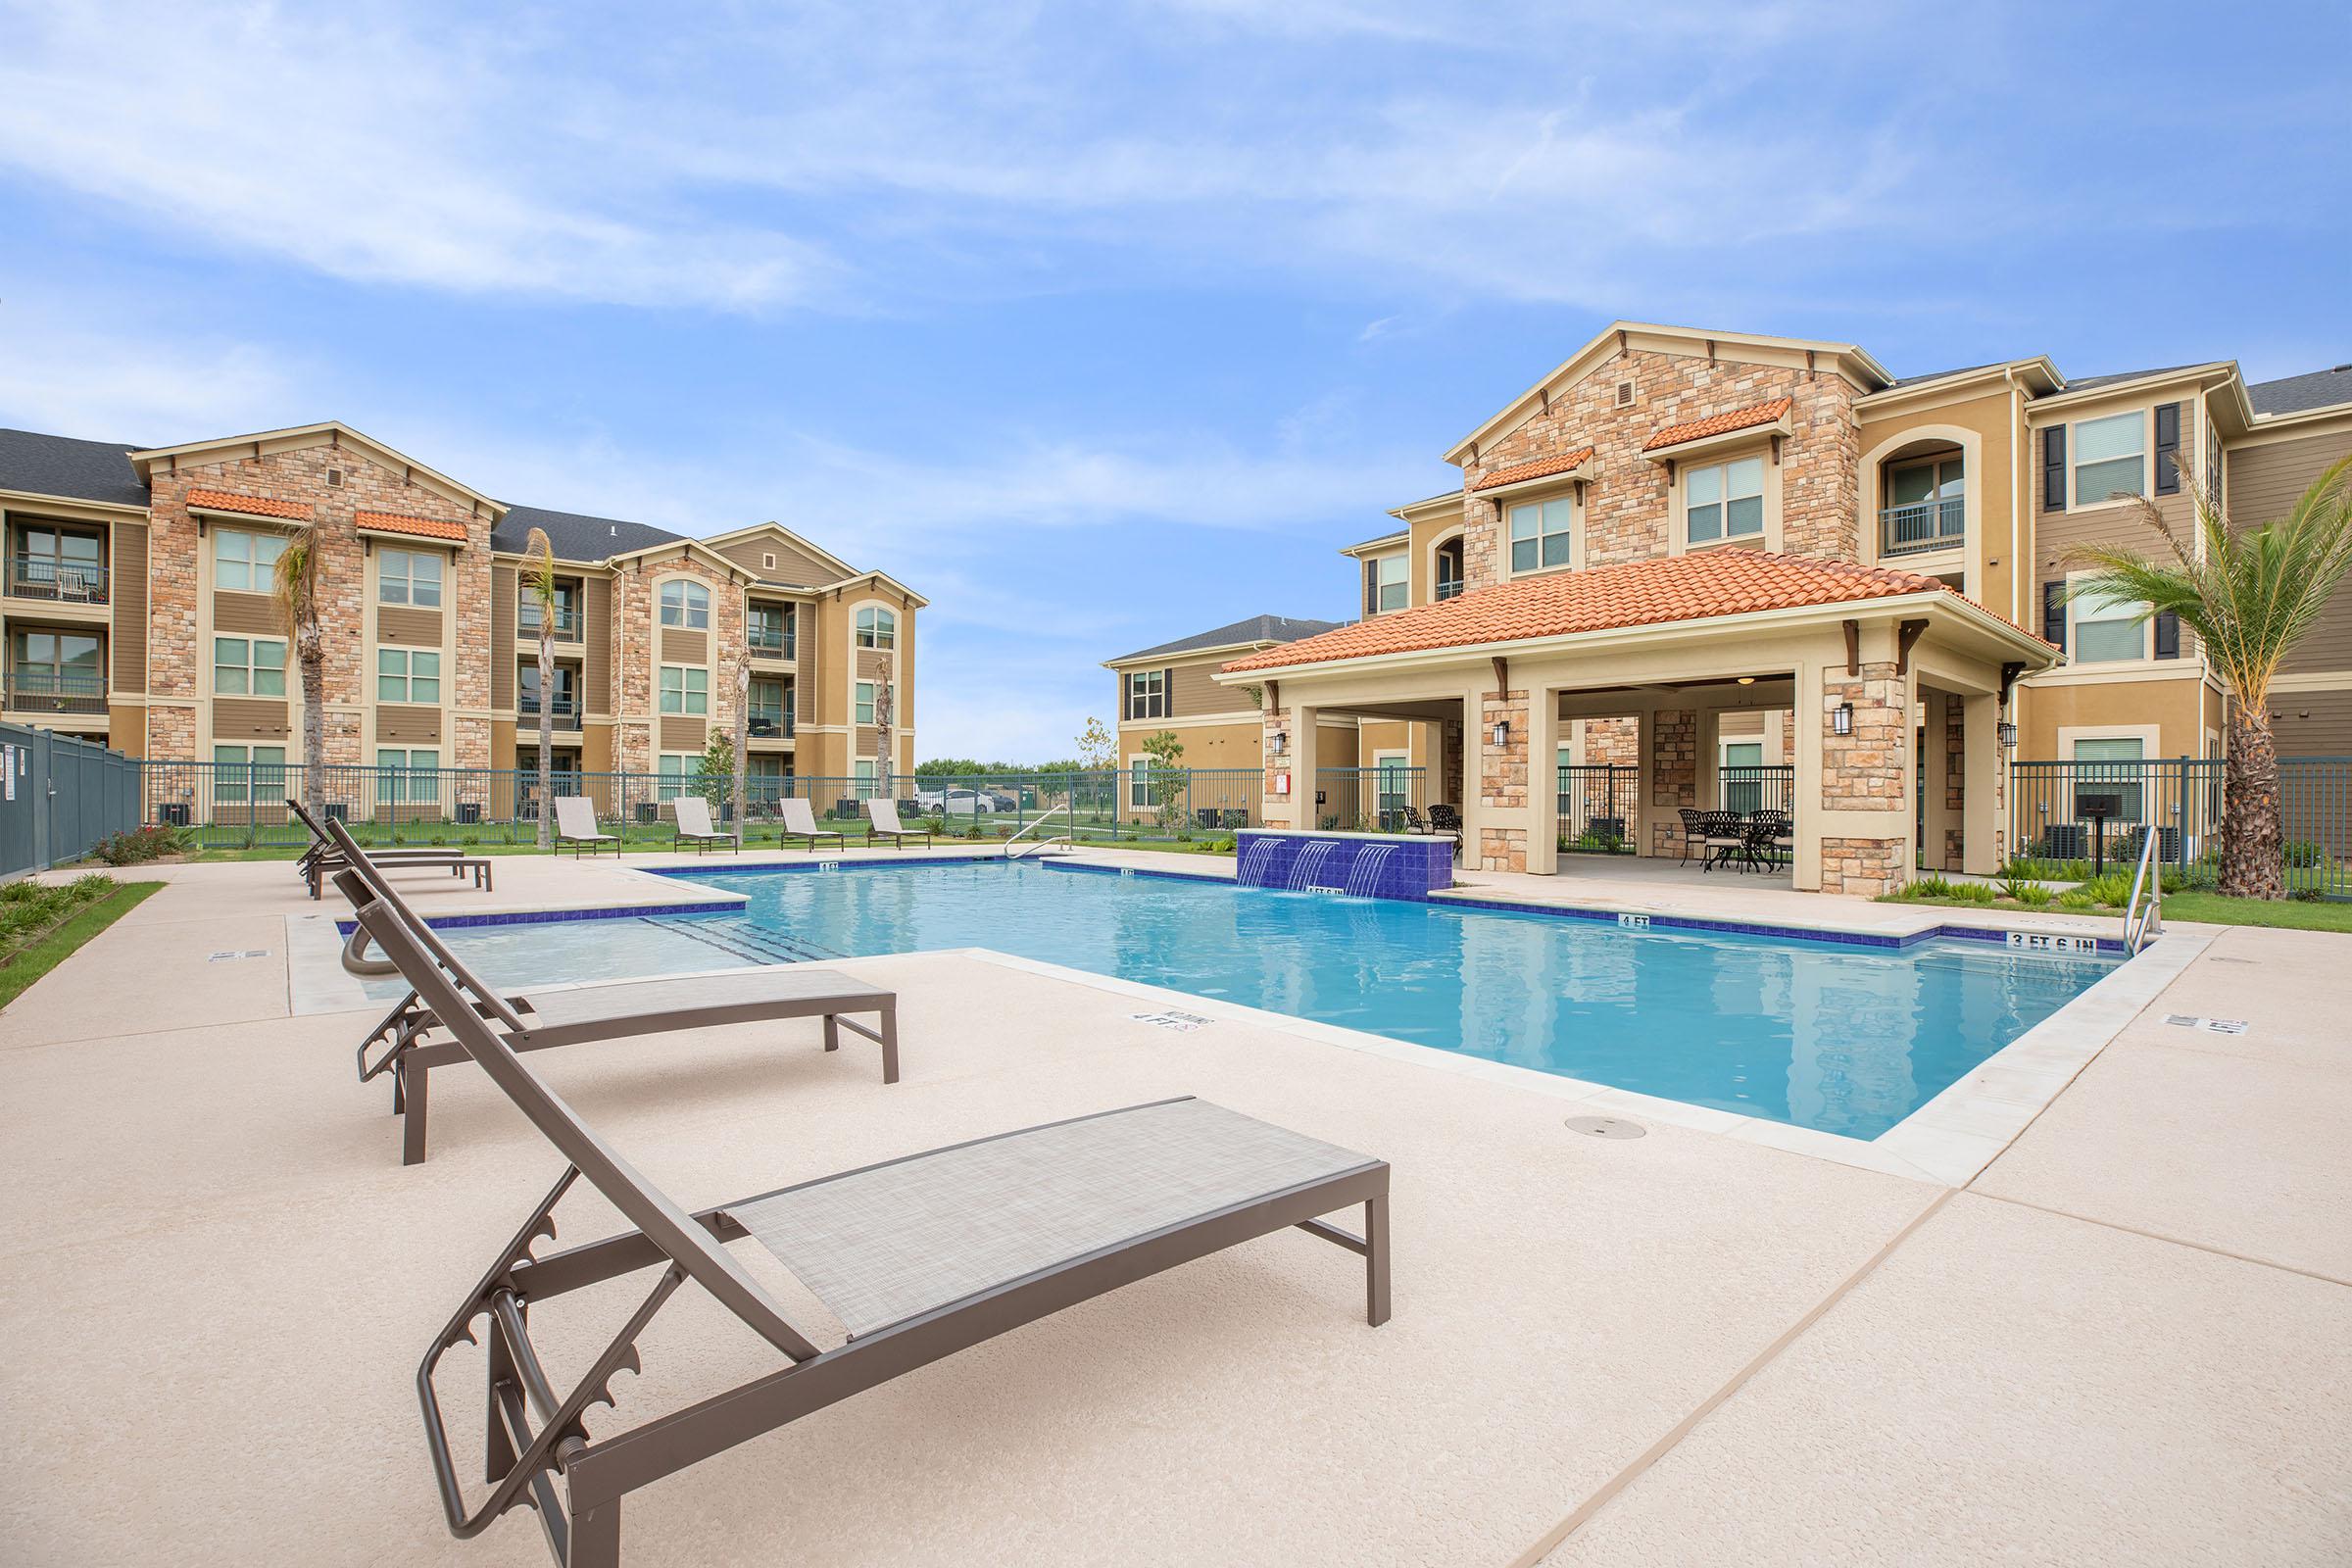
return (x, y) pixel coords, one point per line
(693, 822)
(323, 857)
(570, 1017)
(1722, 838)
(1447, 820)
(575, 825)
(882, 822)
(1776, 842)
(800, 823)
(918, 1258)
(1414, 821)
(1694, 834)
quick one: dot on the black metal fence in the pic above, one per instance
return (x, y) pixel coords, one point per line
(1600, 806)
(2055, 816)
(60, 796)
(1747, 788)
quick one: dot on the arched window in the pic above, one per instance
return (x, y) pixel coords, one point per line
(685, 603)
(877, 627)
(1447, 577)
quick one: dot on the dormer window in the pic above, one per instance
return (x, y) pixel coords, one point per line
(1723, 501)
(1543, 535)
(1391, 588)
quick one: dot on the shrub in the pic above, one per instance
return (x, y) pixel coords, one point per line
(1930, 886)
(2014, 884)
(140, 844)
(2304, 856)
(2077, 899)
(1974, 892)
(2032, 895)
(2112, 889)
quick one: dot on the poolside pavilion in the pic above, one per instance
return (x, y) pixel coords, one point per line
(1897, 687)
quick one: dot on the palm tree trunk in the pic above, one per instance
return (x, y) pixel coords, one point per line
(310, 652)
(547, 724)
(2253, 864)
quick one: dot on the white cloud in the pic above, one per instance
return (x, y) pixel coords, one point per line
(158, 388)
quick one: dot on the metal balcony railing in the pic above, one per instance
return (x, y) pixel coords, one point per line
(769, 725)
(69, 582)
(1921, 525)
(770, 645)
(46, 692)
(1450, 587)
(566, 621)
(566, 711)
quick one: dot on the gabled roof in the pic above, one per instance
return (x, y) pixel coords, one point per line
(2298, 394)
(1241, 633)
(33, 464)
(327, 432)
(1664, 589)
(780, 531)
(575, 535)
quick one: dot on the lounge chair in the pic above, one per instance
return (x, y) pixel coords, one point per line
(1694, 834)
(575, 1016)
(693, 815)
(918, 1258)
(882, 822)
(800, 823)
(575, 825)
(323, 857)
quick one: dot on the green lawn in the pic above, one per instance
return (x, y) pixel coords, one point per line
(2206, 908)
(43, 950)
(648, 844)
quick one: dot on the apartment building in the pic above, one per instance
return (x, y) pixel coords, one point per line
(1683, 545)
(137, 609)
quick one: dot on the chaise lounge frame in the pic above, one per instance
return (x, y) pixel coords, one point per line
(410, 1055)
(323, 857)
(800, 823)
(536, 1435)
(876, 809)
(596, 838)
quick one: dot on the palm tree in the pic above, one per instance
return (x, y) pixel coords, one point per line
(539, 576)
(295, 587)
(2250, 596)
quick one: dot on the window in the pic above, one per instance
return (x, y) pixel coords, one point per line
(765, 630)
(410, 675)
(865, 702)
(1541, 534)
(1449, 569)
(1743, 780)
(2106, 631)
(245, 561)
(245, 773)
(566, 621)
(1395, 788)
(861, 780)
(685, 690)
(878, 628)
(1723, 501)
(57, 664)
(527, 684)
(1940, 479)
(409, 577)
(2113, 763)
(410, 777)
(1139, 784)
(2107, 458)
(249, 666)
(1390, 589)
(1147, 694)
(672, 771)
(771, 714)
(54, 564)
(685, 604)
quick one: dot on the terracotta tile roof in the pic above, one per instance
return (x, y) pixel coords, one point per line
(1637, 593)
(422, 527)
(1538, 469)
(1674, 435)
(251, 506)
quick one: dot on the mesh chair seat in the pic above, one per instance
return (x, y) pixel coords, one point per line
(891, 1241)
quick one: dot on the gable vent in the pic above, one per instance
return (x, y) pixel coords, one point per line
(768, 563)
(334, 478)
(1625, 394)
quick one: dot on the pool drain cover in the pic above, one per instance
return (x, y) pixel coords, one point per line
(1606, 1127)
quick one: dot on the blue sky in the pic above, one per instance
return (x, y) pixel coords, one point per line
(1104, 324)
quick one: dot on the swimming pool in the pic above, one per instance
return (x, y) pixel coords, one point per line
(1842, 1038)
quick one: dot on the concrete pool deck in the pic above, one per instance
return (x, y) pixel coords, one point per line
(2128, 1338)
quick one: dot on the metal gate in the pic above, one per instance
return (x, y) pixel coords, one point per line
(58, 797)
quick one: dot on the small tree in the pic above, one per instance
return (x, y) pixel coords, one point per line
(1165, 751)
(295, 586)
(714, 771)
(1095, 747)
(2250, 596)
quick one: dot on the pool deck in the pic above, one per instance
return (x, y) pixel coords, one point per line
(2127, 1339)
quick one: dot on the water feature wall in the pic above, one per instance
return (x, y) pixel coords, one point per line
(1364, 865)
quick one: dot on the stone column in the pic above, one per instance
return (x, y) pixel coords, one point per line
(1673, 763)
(1865, 796)
(1502, 827)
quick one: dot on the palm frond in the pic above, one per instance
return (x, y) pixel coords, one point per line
(540, 572)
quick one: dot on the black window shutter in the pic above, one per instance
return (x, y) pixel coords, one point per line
(2053, 468)
(1371, 590)
(2167, 635)
(2053, 614)
(1167, 692)
(2168, 449)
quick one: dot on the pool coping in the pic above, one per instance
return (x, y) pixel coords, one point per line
(1947, 1141)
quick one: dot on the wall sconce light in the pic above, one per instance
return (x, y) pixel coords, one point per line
(1842, 719)
(1502, 733)
(1282, 743)
(2008, 734)
(1747, 681)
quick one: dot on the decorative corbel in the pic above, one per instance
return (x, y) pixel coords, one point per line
(1854, 647)
(1502, 675)
(2009, 674)
(1905, 635)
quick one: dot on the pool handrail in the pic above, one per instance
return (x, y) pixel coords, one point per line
(2143, 927)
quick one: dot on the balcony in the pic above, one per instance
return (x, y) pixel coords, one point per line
(566, 621)
(63, 582)
(769, 725)
(1922, 525)
(1450, 587)
(40, 691)
(565, 712)
(766, 644)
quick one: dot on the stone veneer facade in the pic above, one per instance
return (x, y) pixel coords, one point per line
(1863, 772)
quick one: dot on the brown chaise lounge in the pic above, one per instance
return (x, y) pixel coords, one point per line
(1073, 1209)
(322, 858)
(882, 822)
(574, 1017)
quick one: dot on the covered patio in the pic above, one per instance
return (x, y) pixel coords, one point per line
(1884, 691)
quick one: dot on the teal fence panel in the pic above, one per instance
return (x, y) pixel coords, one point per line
(59, 796)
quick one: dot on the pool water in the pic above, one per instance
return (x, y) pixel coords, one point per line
(1841, 1038)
